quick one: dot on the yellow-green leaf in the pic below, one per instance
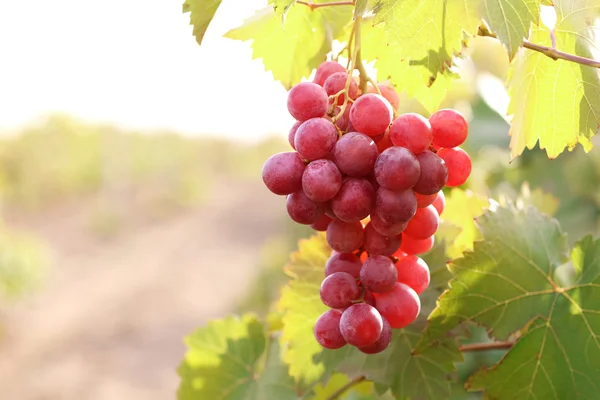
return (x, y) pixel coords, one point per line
(201, 13)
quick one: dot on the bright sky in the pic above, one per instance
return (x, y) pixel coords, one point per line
(134, 63)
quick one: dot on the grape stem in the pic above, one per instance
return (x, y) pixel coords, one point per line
(338, 393)
(486, 346)
(313, 6)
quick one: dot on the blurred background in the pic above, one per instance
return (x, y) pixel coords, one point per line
(132, 208)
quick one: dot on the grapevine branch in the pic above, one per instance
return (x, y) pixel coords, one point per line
(312, 5)
(486, 346)
(338, 393)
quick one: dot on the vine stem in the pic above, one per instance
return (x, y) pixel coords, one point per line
(486, 346)
(338, 393)
(560, 55)
(313, 6)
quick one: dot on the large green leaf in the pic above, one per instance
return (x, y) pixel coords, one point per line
(231, 359)
(557, 102)
(508, 284)
(201, 13)
(282, 6)
(293, 49)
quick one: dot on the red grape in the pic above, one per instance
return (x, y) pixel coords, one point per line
(400, 306)
(458, 163)
(337, 82)
(325, 70)
(423, 200)
(361, 325)
(386, 229)
(321, 224)
(327, 330)
(450, 129)
(412, 131)
(355, 154)
(423, 224)
(378, 274)
(382, 343)
(343, 262)
(388, 93)
(414, 272)
(354, 201)
(434, 173)
(307, 100)
(397, 169)
(376, 243)
(440, 202)
(302, 209)
(342, 122)
(282, 173)
(292, 134)
(371, 114)
(368, 298)
(384, 142)
(315, 138)
(345, 237)
(416, 246)
(339, 289)
(395, 207)
(321, 180)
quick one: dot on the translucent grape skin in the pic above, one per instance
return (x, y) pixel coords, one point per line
(343, 262)
(388, 93)
(345, 237)
(327, 330)
(368, 298)
(397, 169)
(424, 224)
(384, 142)
(355, 154)
(440, 202)
(303, 210)
(377, 244)
(307, 100)
(434, 173)
(449, 127)
(321, 180)
(395, 207)
(292, 134)
(382, 343)
(378, 274)
(416, 246)
(400, 306)
(339, 290)
(423, 200)
(459, 165)
(414, 272)
(321, 224)
(354, 201)
(386, 229)
(282, 173)
(361, 325)
(337, 82)
(325, 70)
(315, 138)
(412, 131)
(371, 114)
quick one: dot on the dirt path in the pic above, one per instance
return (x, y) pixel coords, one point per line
(109, 323)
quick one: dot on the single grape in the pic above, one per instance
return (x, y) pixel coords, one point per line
(355, 154)
(412, 131)
(414, 272)
(382, 343)
(345, 237)
(339, 289)
(440, 202)
(384, 142)
(321, 180)
(449, 127)
(369, 298)
(343, 262)
(361, 325)
(354, 201)
(458, 163)
(315, 138)
(423, 224)
(292, 133)
(416, 246)
(395, 207)
(325, 70)
(378, 274)
(386, 229)
(388, 93)
(423, 200)
(337, 82)
(282, 173)
(400, 306)
(397, 169)
(376, 243)
(327, 330)
(321, 224)
(307, 100)
(434, 173)
(371, 114)
(303, 210)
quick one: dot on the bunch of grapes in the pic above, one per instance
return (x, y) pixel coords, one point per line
(374, 185)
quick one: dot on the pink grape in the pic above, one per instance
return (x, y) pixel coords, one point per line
(384, 143)
(378, 274)
(321, 180)
(423, 200)
(315, 138)
(388, 93)
(397, 169)
(440, 202)
(321, 224)
(434, 173)
(400, 306)
(355, 154)
(337, 82)
(386, 229)
(342, 122)
(343, 262)
(414, 272)
(371, 114)
(423, 224)
(412, 131)
(361, 325)
(325, 70)
(395, 207)
(339, 289)
(416, 246)
(382, 343)
(368, 298)
(345, 237)
(327, 330)
(303, 210)
(282, 173)
(376, 243)
(292, 134)
(459, 165)
(449, 127)
(307, 100)
(354, 201)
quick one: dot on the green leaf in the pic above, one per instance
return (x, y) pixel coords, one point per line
(538, 86)
(292, 50)
(360, 391)
(231, 359)
(281, 6)
(201, 13)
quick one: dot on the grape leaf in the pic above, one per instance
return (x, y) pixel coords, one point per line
(227, 360)
(292, 50)
(201, 13)
(508, 284)
(542, 111)
(281, 6)
(360, 391)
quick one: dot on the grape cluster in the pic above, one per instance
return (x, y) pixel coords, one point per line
(374, 185)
